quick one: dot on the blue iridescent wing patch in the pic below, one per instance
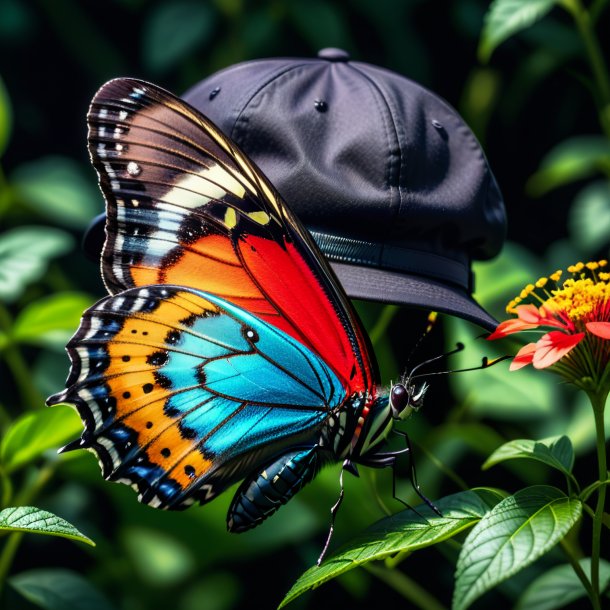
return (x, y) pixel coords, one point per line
(183, 393)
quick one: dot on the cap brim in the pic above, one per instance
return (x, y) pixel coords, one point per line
(387, 286)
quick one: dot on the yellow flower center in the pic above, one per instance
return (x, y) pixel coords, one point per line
(580, 298)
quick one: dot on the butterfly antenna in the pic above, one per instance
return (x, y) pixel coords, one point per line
(485, 364)
(431, 322)
(458, 348)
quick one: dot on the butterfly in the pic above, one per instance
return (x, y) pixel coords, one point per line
(226, 350)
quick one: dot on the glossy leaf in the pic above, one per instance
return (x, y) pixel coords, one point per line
(51, 320)
(404, 532)
(36, 521)
(507, 17)
(58, 189)
(24, 255)
(559, 586)
(34, 433)
(510, 537)
(573, 159)
(174, 30)
(6, 117)
(556, 452)
(58, 589)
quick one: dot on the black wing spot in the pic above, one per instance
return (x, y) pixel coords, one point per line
(126, 358)
(162, 380)
(189, 471)
(190, 321)
(147, 388)
(165, 452)
(172, 337)
(157, 359)
(126, 394)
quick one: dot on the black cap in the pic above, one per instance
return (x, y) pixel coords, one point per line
(390, 181)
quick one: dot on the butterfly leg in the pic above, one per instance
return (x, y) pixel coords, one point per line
(390, 459)
(350, 467)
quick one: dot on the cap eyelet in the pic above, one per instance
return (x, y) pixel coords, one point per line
(320, 105)
(214, 92)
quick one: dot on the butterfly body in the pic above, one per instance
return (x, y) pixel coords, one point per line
(226, 350)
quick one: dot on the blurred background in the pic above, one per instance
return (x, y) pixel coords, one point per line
(533, 106)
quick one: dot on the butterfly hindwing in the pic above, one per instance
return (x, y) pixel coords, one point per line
(183, 393)
(185, 206)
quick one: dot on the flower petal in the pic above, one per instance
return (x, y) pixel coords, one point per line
(524, 357)
(508, 327)
(530, 314)
(599, 329)
(553, 346)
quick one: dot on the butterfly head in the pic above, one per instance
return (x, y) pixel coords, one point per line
(406, 397)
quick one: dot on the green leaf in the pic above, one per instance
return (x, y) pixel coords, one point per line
(560, 586)
(507, 17)
(51, 321)
(34, 433)
(589, 219)
(573, 159)
(56, 188)
(24, 255)
(6, 118)
(404, 532)
(57, 589)
(174, 30)
(510, 537)
(37, 521)
(556, 452)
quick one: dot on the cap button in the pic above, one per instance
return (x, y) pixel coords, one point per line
(333, 54)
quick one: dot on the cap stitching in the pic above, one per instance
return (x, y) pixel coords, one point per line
(239, 131)
(388, 124)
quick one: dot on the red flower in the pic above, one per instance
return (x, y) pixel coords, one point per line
(575, 319)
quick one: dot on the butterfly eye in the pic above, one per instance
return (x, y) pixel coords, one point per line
(399, 400)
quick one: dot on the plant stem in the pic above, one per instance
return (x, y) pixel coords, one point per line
(585, 25)
(407, 587)
(8, 554)
(598, 401)
(17, 365)
(577, 567)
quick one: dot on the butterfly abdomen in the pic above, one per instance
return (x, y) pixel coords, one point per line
(261, 495)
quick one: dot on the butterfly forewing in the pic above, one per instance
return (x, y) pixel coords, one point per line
(185, 206)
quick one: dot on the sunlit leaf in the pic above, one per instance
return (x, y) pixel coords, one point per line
(24, 255)
(57, 589)
(57, 188)
(173, 30)
(507, 17)
(404, 532)
(559, 586)
(32, 434)
(6, 117)
(589, 219)
(510, 537)
(556, 452)
(36, 521)
(51, 320)
(573, 159)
